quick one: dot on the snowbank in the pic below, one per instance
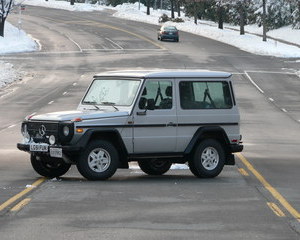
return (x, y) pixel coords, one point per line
(15, 40)
(229, 35)
(82, 7)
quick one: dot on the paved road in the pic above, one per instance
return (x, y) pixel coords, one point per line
(257, 199)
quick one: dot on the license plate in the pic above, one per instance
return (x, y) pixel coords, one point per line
(56, 152)
(38, 148)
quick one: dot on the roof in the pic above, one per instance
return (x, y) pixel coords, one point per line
(165, 73)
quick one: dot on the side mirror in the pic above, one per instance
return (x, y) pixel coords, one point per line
(150, 104)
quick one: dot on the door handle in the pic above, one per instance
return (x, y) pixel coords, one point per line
(171, 124)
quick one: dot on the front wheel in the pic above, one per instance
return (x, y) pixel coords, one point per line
(208, 160)
(48, 166)
(155, 166)
(99, 161)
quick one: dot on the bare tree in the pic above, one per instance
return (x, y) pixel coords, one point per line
(5, 7)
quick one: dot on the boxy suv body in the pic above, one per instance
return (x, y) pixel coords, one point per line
(156, 118)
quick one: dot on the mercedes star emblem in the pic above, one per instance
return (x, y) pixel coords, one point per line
(42, 130)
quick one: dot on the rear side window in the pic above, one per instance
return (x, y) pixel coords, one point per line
(205, 95)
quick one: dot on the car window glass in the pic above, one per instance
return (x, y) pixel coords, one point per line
(205, 95)
(160, 91)
(118, 92)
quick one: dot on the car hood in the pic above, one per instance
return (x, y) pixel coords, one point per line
(84, 115)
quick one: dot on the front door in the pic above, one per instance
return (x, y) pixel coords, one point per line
(155, 130)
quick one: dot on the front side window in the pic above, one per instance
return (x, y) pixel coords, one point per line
(158, 92)
(112, 92)
(205, 95)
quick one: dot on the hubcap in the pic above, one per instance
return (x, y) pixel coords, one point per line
(99, 160)
(210, 158)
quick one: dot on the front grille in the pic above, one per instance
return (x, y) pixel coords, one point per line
(40, 131)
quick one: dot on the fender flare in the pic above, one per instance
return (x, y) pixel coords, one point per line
(105, 132)
(204, 132)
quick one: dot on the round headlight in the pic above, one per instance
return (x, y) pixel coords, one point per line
(66, 130)
(52, 140)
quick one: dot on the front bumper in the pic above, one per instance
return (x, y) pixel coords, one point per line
(68, 150)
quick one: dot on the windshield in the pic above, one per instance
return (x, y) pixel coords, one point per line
(112, 92)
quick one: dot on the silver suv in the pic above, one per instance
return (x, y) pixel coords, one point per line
(156, 118)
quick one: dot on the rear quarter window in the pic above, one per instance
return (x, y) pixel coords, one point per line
(205, 95)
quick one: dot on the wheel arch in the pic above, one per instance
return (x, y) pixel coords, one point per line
(214, 132)
(111, 135)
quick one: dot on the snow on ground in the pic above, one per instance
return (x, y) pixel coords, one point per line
(175, 166)
(17, 41)
(13, 42)
(7, 73)
(248, 42)
(82, 7)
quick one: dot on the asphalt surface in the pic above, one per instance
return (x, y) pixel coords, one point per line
(259, 198)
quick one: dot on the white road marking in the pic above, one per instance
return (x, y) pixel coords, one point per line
(50, 102)
(287, 73)
(11, 126)
(74, 84)
(80, 49)
(284, 110)
(64, 93)
(114, 43)
(254, 83)
(271, 99)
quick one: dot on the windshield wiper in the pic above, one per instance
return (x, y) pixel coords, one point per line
(92, 103)
(110, 104)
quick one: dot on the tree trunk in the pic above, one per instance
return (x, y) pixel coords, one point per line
(178, 8)
(2, 21)
(264, 22)
(148, 7)
(195, 13)
(172, 9)
(72, 2)
(220, 17)
(242, 19)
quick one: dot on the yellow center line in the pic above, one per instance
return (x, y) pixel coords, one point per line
(243, 172)
(21, 204)
(276, 209)
(21, 194)
(271, 189)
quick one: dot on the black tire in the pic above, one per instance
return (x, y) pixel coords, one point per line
(49, 167)
(208, 160)
(102, 165)
(155, 166)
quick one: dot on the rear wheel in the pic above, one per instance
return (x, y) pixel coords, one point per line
(99, 161)
(48, 166)
(155, 166)
(208, 160)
